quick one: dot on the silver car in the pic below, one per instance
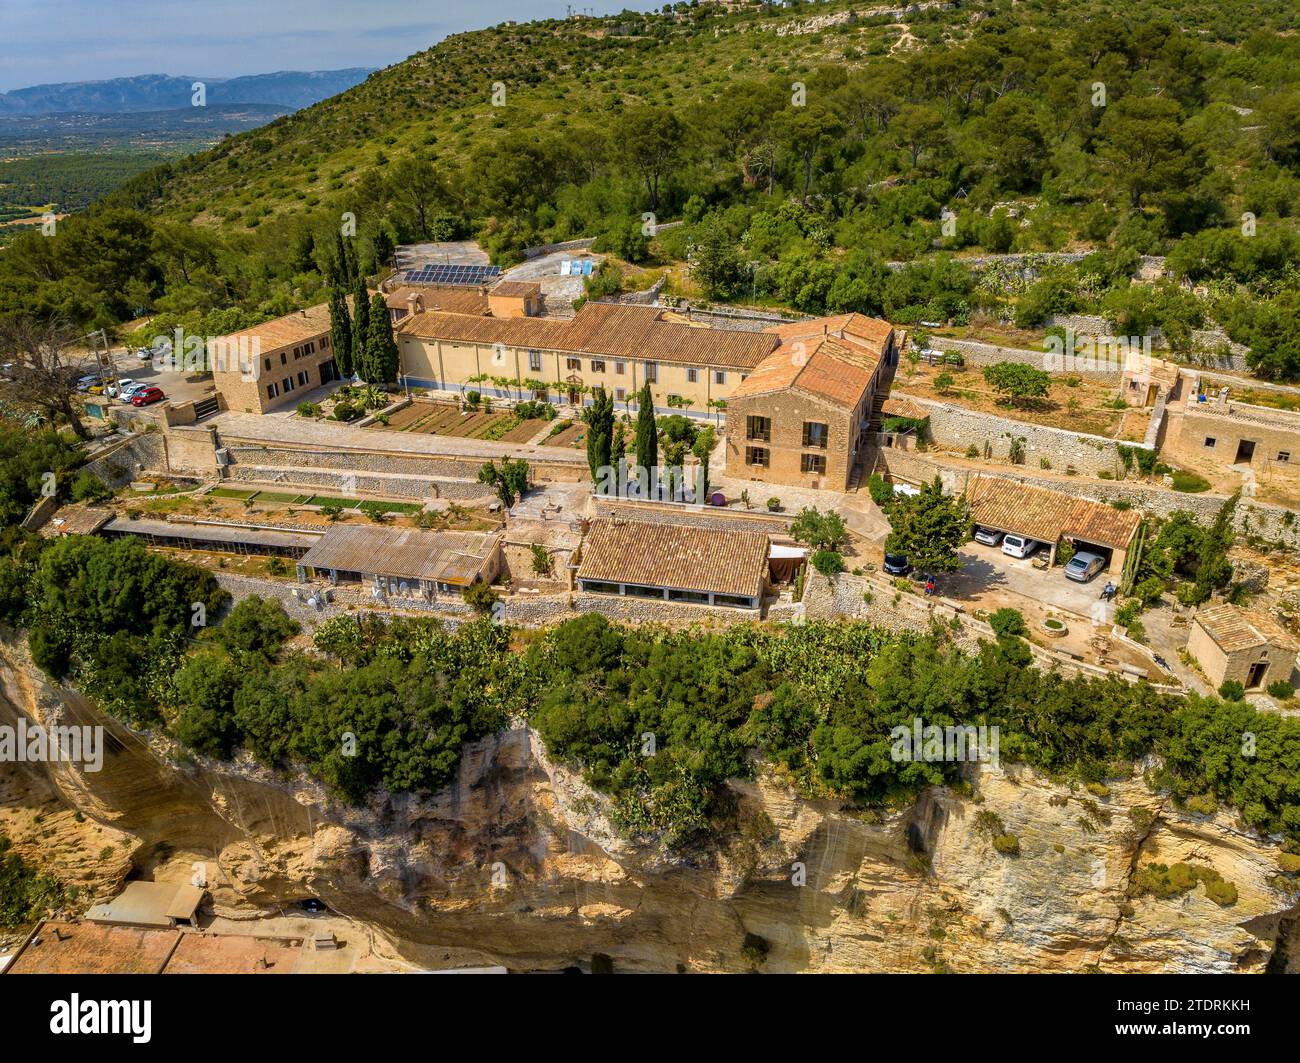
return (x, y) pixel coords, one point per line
(988, 536)
(1083, 566)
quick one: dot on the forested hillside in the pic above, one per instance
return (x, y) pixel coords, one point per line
(804, 146)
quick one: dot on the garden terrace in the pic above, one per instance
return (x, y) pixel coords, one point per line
(1073, 403)
(433, 418)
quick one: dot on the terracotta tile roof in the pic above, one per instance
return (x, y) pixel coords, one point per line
(449, 300)
(675, 555)
(821, 366)
(609, 329)
(517, 289)
(288, 330)
(1047, 515)
(904, 408)
(403, 553)
(1235, 629)
(870, 332)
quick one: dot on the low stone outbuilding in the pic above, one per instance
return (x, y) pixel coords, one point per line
(1230, 643)
(675, 563)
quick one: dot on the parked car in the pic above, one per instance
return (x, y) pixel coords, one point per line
(147, 395)
(1083, 566)
(145, 354)
(89, 381)
(988, 536)
(116, 389)
(896, 564)
(906, 489)
(128, 392)
(1019, 546)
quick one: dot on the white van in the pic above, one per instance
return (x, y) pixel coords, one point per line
(1018, 546)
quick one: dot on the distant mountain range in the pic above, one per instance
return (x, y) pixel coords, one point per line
(286, 90)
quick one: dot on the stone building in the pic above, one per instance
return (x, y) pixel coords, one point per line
(403, 562)
(675, 563)
(802, 417)
(273, 364)
(1232, 643)
(1211, 425)
(610, 345)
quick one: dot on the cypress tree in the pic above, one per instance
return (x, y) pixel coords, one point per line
(618, 457)
(647, 442)
(600, 429)
(360, 328)
(341, 331)
(381, 348)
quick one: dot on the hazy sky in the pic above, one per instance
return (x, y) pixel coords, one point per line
(45, 41)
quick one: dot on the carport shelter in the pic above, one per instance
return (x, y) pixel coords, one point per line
(1050, 516)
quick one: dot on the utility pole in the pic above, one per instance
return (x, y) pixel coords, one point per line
(104, 357)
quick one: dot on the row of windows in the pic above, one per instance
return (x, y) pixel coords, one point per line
(598, 365)
(287, 385)
(815, 434)
(301, 351)
(762, 457)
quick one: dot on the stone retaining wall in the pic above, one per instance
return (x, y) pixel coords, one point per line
(981, 354)
(414, 488)
(957, 426)
(1250, 518)
(145, 452)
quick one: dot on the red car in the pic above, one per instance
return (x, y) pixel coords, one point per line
(146, 396)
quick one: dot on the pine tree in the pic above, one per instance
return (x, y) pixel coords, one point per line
(647, 442)
(341, 331)
(381, 348)
(360, 328)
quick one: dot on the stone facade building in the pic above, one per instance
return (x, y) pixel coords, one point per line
(802, 417)
(273, 364)
(609, 345)
(1212, 425)
(1233, 644)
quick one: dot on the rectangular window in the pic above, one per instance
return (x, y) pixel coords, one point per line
(302, 378)
(620, 394)
(719, 376)
(573, 363)
(324, 343)
(287, 384)
(1209, 441)
(652, 372)
(284, 358)
(297, 353)
(597, 365)
(758, 428)
(1283, 455)
(268, 364)
(310, 348)
(814, 434)
(756, 456)
(815, 463)
(272, 390)
(535, 361)
(692, 376)
(620, 368)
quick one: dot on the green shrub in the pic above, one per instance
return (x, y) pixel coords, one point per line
(1232, 690)
(90, 488)
(1007, 621)
(1189, 482)
(1007, 844)
(1281, 689)
(344, 411)
(308, 409)
(828, 563)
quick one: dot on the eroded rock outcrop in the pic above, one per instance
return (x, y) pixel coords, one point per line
(518, 861)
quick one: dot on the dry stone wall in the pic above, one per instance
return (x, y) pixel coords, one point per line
(957, 426)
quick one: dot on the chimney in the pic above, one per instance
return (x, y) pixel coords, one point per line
(415, 303)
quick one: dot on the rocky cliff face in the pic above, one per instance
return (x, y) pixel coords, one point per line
(517, 863)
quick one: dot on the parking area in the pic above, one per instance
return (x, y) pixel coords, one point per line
(988, 573)
(178, 386)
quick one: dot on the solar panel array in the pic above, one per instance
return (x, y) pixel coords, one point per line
(446, 273)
